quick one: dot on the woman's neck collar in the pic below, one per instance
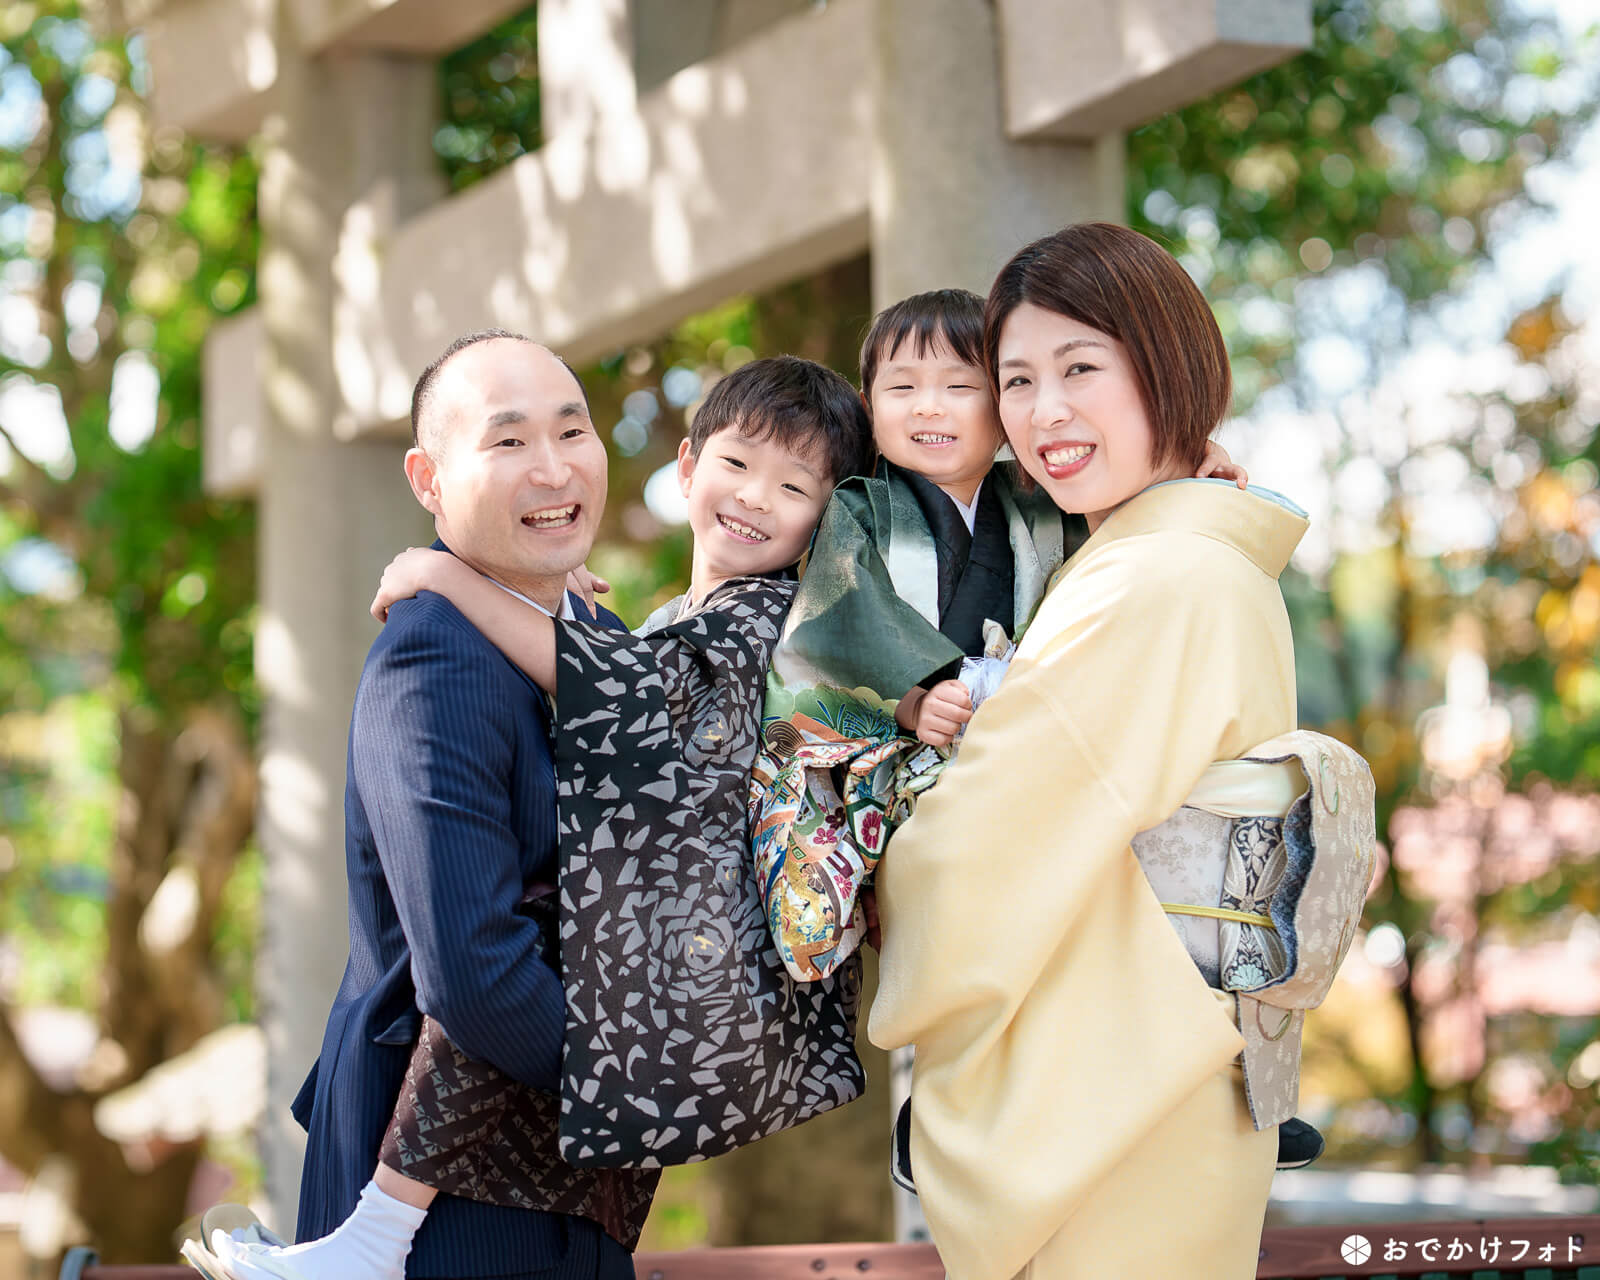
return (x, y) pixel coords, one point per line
(1171, 471)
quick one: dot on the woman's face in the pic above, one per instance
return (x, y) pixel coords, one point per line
(1070, 406)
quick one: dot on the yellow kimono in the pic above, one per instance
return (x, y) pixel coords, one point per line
(1076, 1107)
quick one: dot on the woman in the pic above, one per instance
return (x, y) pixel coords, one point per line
(1076, 1107)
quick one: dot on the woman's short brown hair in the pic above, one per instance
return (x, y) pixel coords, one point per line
(1131, 289)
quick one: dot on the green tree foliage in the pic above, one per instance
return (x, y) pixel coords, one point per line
(1391, 161)
(489, 101)
(1399, 141)
(125, 599)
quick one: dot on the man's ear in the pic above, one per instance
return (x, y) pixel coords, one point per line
(686, 461)
(423, 476)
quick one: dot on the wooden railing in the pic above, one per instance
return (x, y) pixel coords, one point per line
(1546, 1249)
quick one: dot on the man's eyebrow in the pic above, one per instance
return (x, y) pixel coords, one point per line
(1060, 351)
(516, 417)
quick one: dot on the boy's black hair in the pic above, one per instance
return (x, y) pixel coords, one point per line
(951, 316)
(803, 405)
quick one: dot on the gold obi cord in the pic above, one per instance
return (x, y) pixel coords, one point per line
(1219, 913)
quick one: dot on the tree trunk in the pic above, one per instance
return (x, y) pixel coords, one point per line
(186, 811)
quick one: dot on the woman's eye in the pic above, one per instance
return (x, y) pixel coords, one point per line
(509, 442)
(1016, 380)
(1080, 367)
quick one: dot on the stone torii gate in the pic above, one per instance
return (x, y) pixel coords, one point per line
(693, 149)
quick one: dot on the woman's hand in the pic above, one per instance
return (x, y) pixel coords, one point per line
(1218, 465)
(587, 585)
(414, 569)
(935, 715)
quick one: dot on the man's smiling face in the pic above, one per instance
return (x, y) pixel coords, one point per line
(511, 466)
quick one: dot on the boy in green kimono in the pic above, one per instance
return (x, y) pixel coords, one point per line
(918, 575)
(920, 582)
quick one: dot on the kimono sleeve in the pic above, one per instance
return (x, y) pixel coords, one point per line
(848, 628)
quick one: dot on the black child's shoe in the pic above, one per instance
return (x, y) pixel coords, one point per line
(1298, 1144)
(900, 1150)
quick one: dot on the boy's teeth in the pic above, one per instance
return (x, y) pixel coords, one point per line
(1062, 457)
(932, 437)
(743, 530)
(555, 516)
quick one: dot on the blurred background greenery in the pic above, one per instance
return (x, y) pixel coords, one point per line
(1390, 228)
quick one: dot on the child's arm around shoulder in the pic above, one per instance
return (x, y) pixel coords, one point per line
(1218, 464)
(524, 634)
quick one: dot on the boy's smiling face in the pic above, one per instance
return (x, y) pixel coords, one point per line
(753, 505)
(932, 414)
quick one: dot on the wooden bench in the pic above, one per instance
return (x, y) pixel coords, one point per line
(1287, 1253)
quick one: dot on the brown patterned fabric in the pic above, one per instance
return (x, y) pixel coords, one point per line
(466, 1129)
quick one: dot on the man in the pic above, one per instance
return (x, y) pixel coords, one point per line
(450, 808)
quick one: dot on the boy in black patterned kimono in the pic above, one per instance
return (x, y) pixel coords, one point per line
(686, 1037)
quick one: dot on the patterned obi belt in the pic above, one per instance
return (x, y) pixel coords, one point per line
(1263, 872)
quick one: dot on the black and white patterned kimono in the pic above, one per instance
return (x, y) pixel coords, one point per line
(686, 1036)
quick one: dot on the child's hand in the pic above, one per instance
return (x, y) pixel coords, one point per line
(1219, 465)
(587, 585)
(413, 570)
(941, 713)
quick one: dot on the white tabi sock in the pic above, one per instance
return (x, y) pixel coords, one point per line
(371, 1243)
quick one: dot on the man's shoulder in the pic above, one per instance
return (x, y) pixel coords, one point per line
(428, 638)
(423, 619)
(603, 617)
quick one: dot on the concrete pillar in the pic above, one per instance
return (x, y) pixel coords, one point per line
(586, 80)
(953, 197)
(346, 154)
(669, 35)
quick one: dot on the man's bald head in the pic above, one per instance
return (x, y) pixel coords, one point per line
(427, 420)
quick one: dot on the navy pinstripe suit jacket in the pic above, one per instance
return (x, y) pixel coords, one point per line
(450, 808)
